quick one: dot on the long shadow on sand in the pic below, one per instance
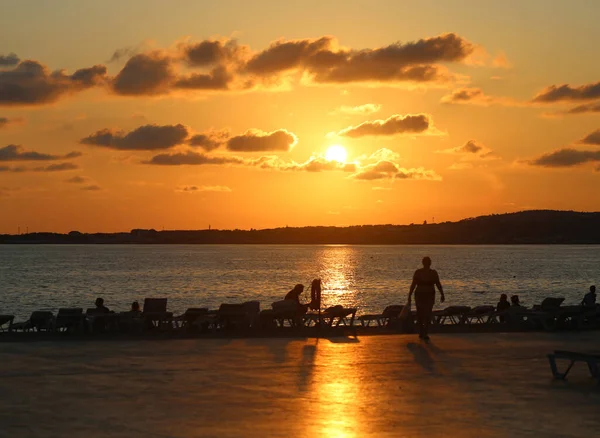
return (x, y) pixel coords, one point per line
(421, 356)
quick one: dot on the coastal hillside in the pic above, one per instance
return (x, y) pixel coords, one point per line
(526, 227)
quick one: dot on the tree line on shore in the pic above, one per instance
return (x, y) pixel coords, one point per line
(526, 227)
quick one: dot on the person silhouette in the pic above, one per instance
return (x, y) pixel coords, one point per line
(424, 282)
(503, 304)
(514, 301)
(294, 295)
(589, 300)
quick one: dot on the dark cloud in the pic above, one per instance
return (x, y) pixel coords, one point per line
(31, 83)
(217, 79)
(124, 52)
(196, 189)
(257, 141)
(209, 140)
(593, 138)
(585, 108)
(396, 124)
(191, 158)
(285, 55)
(147, 138)
(59, 167)
(325, 63)
(77, 180)
(212, 52)
(14, 152)
(92, 188)
(145, 74)
(467, 95)
(566, 92)
(16, 169)
(469, 153)
(470, 147)
(9, 60)
(566, 158)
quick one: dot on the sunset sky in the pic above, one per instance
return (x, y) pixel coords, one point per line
(151, 114)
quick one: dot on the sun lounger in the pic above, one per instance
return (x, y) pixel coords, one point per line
(230, 316)
(592, 361)
(338, 314)
(286, 311)
(6, 322)
(187, 319)
(479, 315)
(40, 320)
(155, 313)
(69, 319)
(451, 315)
(382, 319)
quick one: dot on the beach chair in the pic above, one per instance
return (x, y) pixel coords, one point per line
(187, 319)
(479, 315)
(382, 319)
(592, 361)
(549, 304)
(69, 320)
(287, 311)
(453, 315)
(339, 314)
(6, 322)
(40, 320)
(155, 313)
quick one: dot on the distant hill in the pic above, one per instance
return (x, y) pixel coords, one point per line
(526, 227)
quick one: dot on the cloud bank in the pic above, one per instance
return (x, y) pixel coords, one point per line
(144, 138)
(394, 125)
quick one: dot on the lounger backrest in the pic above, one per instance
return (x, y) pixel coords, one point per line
(75, 311)
(232, 309)
(252, 307)
(92, 311)
(483, 309)
(155, 305)
(41, 318)
(457, 310)
(69, 315)
(551, 303)
(284, 305)
(392, 311)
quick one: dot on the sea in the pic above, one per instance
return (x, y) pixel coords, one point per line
(48, 277)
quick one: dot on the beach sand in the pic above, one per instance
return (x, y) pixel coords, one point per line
(460, 385)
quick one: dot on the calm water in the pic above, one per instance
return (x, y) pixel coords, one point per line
(36, 277)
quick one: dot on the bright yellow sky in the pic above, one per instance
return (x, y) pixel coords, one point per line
(223, 113)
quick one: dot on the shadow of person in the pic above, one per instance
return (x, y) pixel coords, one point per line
(421, 356)
(307, 365)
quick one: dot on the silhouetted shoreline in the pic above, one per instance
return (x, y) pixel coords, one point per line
(527, 227)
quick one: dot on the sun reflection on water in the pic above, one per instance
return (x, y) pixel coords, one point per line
(337, 270)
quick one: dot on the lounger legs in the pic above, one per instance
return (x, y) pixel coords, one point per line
(557, 375)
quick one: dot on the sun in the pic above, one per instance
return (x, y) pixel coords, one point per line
(336, 153)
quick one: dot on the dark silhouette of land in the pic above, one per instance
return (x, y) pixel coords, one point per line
(526, 227)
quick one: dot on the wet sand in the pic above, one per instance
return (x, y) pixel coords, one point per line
(461, 385)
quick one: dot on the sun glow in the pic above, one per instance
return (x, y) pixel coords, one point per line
(336, 153)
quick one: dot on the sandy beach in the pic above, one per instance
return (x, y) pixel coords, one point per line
(483, 385)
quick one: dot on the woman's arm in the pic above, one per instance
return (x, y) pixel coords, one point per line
(413, 284)
(439, 286)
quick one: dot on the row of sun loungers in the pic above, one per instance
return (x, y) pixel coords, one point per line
(549, 315)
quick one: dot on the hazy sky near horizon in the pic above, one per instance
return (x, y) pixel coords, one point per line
(151, 114)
